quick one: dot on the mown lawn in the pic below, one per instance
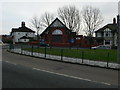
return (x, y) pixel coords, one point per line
(100, 55)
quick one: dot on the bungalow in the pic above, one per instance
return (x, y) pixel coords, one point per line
(22, 34)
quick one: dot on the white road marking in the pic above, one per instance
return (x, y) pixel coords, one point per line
(14, 63)
(70, 76)
(63, 74)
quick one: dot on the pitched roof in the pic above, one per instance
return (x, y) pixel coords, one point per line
(55, 23)
(24, 37)
(23, 28)
(112, 27)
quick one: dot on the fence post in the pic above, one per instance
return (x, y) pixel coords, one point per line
(45, 51)
(82, 56)
(38, 50)
(108, 59)
(61, 54)
(32, 51)
(13, 48)
(10, 47)
(21, 48)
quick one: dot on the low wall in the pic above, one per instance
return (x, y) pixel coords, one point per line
(68, 59)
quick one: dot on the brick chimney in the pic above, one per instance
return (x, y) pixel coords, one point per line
(114, 21)
(23, 24)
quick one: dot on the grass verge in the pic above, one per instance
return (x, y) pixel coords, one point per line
(99, 54)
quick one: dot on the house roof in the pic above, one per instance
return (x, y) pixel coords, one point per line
(55, 23)
(24, 37)
(112, 27)
(23, 28)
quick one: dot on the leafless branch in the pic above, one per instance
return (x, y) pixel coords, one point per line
(71, 17)
(92, 19)
(46, 19)
(36, 23)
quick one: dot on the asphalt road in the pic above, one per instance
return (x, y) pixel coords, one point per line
(17, 76)
(29, 72)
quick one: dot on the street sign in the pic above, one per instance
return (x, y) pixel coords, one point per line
(72, 40)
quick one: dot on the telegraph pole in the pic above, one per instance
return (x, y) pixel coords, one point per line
(118, 47)
(118, 23)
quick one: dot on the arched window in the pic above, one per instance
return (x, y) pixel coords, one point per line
(57, 32)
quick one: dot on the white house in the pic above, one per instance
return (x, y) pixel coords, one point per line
(22, 34)
(108, 33)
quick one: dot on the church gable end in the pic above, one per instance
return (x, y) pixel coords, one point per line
(56, 34)
(57, 23)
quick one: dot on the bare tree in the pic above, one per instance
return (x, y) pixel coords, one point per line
(92, 19)
(46, 19)
(71, 17)
(36, 23)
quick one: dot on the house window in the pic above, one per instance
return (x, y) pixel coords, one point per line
(107, 42)
(107, 33)
(98, 34)
(57, 32)
(78, 38)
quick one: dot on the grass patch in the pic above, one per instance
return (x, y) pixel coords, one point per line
(99, 54)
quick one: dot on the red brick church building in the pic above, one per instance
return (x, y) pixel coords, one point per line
(57, 34)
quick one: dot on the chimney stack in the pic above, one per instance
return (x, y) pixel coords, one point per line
(114, 21)
(23, 24)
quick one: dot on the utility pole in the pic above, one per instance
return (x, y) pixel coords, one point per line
(118, 22)
(118, 32)
(118, 46)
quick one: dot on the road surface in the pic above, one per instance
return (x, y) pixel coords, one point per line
(24, 77)
(28, 72)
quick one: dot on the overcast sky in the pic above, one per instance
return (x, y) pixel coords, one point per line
(13, 13)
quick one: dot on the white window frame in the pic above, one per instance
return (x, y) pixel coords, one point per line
(107, 41)
(107, 31)
(57, 32)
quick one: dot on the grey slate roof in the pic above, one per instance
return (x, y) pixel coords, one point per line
(112, 27)
(51, 25)
(22, 29)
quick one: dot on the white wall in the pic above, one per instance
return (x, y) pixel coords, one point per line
(18, 35)
(24, 40)
(99, 35)
(115, 39)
